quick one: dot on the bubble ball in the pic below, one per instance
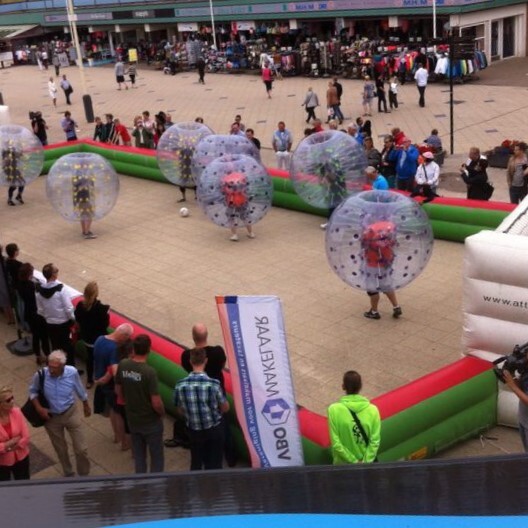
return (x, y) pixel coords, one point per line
(235, 191)
(378, 241)
(82, 186)
(212, 147)
(175, 151)
(22, 156)
(326, 167)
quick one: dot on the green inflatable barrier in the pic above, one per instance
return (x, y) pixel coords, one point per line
(452, 231)
(465, 215)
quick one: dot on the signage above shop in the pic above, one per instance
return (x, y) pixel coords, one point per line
(187, 26)
(147, 13)
(306, 7)
(80, 17)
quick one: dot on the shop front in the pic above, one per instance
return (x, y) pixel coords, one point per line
(501, 32)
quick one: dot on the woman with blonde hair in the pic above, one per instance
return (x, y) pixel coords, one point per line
(93, 319)
(14, 438)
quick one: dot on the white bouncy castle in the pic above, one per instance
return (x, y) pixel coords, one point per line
(496, 297)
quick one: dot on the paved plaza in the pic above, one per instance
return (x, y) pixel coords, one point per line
(164, 270)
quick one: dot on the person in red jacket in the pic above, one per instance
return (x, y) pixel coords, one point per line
(14, 439)
(122, 132)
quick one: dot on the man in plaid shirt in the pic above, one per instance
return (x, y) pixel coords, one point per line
(201, 401)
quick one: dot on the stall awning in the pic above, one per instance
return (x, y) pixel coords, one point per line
(13, 32)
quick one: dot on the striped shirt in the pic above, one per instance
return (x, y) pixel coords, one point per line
(59, 391)
(200, 396)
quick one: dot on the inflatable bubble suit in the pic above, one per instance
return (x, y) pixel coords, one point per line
(22, 156)
(82, 186)
(235, 191)
(327, 167)
(212, 147)
(176, 149)
(378, 240)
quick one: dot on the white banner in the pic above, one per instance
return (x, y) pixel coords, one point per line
(255, 341)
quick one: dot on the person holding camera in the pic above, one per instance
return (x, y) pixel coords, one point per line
(516, 173)
(143, 136)
(39, 127)
(519, 387)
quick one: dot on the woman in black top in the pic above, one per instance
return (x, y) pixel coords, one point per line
(93, 319)
(26, 290)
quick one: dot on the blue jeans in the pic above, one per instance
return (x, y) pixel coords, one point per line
(337, 112)
(151, 437)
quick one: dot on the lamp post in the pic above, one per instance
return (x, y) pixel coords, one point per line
(213, 23)
(87, 100)
(434, 18)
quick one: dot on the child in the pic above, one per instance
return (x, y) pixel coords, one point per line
(393, 92)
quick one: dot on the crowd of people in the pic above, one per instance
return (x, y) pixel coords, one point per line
(125, 386)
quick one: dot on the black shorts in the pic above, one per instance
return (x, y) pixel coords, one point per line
(120, 78)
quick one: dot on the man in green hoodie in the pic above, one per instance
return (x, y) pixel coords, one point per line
(350, 442)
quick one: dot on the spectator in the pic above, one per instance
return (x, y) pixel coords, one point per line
(55, 306)
(93, 320)
(427, 178)
(311, 102)
(380, 92)
(250, 134)
(434, 141)
(421, 77)
(475, 176)
(515, 173)
(378, 182)
(354, 423)
(99, 131)
(119, 70)
(137, 384)
(201, 401)
(122, 132)
(69, 126)
(26, 289)
(373, 154)
(282, 142)
(61, 385)
(14, 439)
(406, 161)
(387, 167)
(143, 137)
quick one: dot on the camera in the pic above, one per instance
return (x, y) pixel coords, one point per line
(515, 362)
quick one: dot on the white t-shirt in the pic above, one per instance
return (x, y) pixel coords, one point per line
(421, 76)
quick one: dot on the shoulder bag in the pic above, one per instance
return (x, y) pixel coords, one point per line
(361, 429)
(28, 409)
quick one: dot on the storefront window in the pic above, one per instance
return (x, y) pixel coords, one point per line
(508, 37)
(495, 40)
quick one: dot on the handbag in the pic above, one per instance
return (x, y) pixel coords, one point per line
(28, 409)
(487, 190)
(361, 429)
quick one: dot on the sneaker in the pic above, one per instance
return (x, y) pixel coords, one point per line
(251, 235)
(10, 202)
(371, 314)
(396, 312)
(19, 200)
(323, 226)
(89, 236)
(233, 238)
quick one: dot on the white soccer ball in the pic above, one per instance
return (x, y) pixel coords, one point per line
(184, 212)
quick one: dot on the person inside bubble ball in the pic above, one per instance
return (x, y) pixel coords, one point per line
(234, 188)
(10, 157)
(378, 242)
(185, 160)
(84, 200)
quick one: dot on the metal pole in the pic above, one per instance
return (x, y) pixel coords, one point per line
(87, 100)
(451, 100)
(213, 23)
(434, 18)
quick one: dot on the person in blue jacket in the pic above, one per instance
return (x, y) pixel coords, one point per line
(406, 159)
